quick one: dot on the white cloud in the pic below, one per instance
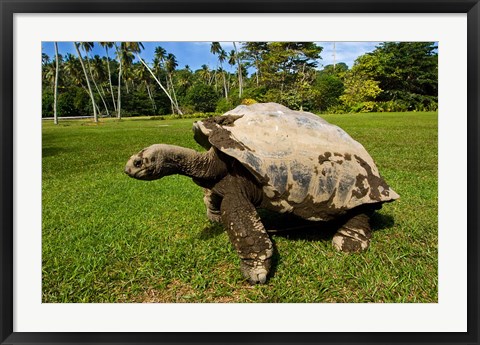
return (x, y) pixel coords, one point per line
(346, 52)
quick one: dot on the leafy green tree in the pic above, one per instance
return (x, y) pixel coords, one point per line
(360, 92)
(47, 103)
(407, 72)
(330, 87)
(253, 52)
(288, 71)
(66, 104)
(202, 97)
(283, 62)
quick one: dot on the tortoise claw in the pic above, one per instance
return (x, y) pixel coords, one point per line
(256, 272)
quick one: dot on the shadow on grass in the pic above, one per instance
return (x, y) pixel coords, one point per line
(211, 230)
(51, 151)
(295, 228)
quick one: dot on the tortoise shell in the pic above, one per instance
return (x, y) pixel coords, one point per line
(298, 158)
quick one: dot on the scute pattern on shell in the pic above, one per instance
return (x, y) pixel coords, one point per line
(300, 159)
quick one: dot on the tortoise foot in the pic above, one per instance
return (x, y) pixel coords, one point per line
(351, 241)
(256, 272)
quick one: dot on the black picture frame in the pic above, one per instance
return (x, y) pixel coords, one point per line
(9, 7)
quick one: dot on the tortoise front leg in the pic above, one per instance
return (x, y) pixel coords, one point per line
(354, 235)
(248, 236)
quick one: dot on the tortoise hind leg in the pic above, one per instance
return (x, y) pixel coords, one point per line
(212, 202)
(248, 236)
(354, 235)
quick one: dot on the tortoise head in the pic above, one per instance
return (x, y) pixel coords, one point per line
(150, 163)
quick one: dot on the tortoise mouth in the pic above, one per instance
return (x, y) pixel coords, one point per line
(146, 173)
(134, 172)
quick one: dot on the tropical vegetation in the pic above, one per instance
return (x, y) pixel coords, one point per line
(396, 76)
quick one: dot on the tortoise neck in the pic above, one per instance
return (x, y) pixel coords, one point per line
(199, 166)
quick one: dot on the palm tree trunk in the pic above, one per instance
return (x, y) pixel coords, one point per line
(173, 92)
(110, 80)
(160, 84)
(119, 104)
(95, 83)
(225, 85)
(150, 96)
(98, 109)
(95, 117)
(215, 79)
(168, 89)
(240, 78)
(55, 118)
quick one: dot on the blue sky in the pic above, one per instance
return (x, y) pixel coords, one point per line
(195, 54)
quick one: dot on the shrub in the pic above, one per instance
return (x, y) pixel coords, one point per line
(82, 103)
(47, 104)
(337, 109)
(65, 104)
(248, 101)
(224, 105)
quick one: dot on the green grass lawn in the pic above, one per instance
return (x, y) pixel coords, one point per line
(109, 238)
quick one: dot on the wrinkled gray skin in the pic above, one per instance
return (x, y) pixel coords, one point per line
(232, 195)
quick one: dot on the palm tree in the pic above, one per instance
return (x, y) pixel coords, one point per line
(205, 73)
(48, 75)
(45, 59)
(95, 117)
(170, 65)
(99, 73)
(232, 61)
(143, 75)
(215, 49)
(240, 78)
(55, 117)
(119, 56)
(109, 45)
(160, 61)
(160, 84)
(160, 56)
(73, 70)
(131, 49)
(184, 78)
(125, 59)
(87, 47)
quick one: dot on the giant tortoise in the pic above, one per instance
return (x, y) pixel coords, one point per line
(268, 156)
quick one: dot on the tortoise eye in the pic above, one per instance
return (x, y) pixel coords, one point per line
(137, 163)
